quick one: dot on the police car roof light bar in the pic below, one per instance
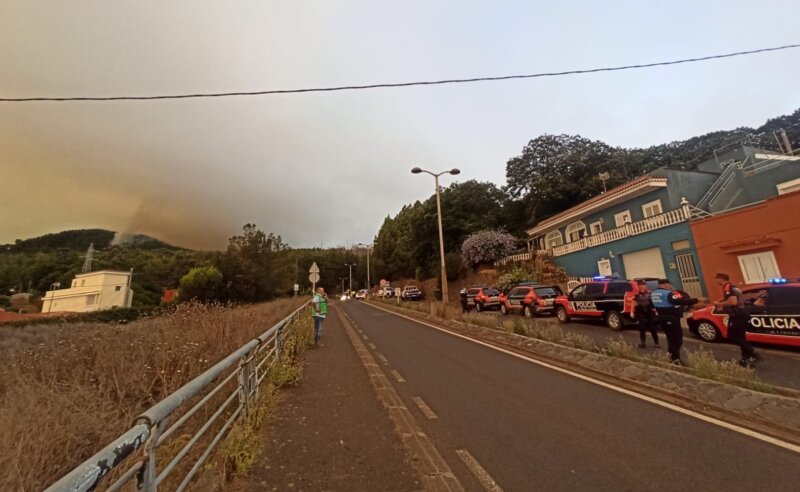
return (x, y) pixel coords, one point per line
(782, 280)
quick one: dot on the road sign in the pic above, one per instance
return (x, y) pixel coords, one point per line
(296, 287)
(314, 268)
(313, 277)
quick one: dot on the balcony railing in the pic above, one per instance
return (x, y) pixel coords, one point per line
(514, 258)
(640, 227)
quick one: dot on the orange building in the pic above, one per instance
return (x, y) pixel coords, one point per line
(753, 243)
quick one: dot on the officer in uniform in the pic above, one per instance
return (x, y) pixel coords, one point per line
(645, 313)
(462, 294)
(670, 305)
(732, 304)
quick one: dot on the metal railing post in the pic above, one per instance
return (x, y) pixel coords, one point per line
(252, 375)
(244, 383)
(146, 477)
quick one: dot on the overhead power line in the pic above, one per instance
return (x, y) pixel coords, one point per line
(401, 84)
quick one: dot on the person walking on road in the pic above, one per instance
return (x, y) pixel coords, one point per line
(319, 310)
(732, 304)
(670, 305)
(644, 312)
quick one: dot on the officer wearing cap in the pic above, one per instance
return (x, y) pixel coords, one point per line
(732, 304)
(670, 305)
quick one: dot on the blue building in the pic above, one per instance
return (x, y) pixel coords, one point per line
(639, 229)
(642, 228)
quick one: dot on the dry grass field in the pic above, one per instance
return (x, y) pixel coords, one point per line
(67, 390)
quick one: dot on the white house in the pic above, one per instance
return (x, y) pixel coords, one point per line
(94, 291)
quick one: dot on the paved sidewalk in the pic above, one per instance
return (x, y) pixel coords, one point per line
(331, 432)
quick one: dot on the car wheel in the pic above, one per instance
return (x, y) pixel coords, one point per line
(708, 332)
(562, 315)
(614, 320)
(503, 309)
(529, 311)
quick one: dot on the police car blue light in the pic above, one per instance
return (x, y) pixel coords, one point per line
(777, 280)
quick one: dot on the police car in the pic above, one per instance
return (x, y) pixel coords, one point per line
(609, 299)
(483, 297)
(530, 299)
(774, 309)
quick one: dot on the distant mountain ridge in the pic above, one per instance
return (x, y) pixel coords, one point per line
(79, 239)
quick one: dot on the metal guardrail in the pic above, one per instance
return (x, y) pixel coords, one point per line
(152, 429)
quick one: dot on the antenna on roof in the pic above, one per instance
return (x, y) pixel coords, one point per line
(87, 263)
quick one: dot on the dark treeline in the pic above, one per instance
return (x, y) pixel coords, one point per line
(553, 173)
(256, 266)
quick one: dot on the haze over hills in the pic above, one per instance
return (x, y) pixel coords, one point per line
(80, 239)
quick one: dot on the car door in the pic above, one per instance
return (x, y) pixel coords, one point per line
(516, 296)
(779, 320)
(583, 299)
(471, 294)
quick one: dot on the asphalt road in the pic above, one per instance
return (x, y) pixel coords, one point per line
(532, 428)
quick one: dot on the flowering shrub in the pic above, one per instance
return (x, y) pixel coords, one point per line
(511, 278)
(487, 246)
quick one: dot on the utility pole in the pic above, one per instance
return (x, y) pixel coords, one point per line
(368, 247)
(454, 171)
(351, 265)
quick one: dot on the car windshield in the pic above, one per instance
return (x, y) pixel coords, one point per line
(546, 292)
(492, 292)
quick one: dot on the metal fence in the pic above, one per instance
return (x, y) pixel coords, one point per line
(241, 374)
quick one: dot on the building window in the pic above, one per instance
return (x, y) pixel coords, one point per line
(83, 282)
(118, 288)
(789, 186)
(759, 267)
(679, 245)
(622, 218)
(652, 208)
(596, 227)
(553, 239)
(91, 300)
(575, 231)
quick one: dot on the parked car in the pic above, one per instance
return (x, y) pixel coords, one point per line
(411, 293)
(608, 299)
(531, 299)
(388, 292)
(361, 295)
(774, 309)
(482, 298)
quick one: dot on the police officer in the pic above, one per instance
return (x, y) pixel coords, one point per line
(732, 304)
(645, 313)
(670, 305)
(462, 294)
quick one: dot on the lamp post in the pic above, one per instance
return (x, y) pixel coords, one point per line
(342, 279)
(454, 172)
(368, 246)
(351, 265)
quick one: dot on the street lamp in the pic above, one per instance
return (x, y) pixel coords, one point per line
(342, 279)
(351, 265)
(368, 246)
(454, 172)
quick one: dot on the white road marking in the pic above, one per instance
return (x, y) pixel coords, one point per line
(381, 357)
(397, 376)
(480, 472)
(424, 408)
(699, 416)
(372, 346)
